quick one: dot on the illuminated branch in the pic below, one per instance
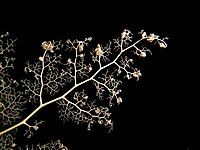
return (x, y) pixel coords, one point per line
(61, 74)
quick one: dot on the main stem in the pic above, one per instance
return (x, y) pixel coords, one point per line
(64, 95)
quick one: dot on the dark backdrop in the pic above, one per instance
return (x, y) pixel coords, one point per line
(161, 110)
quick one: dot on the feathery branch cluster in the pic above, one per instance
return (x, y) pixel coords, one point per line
(11, 104)
(7, 141)
(52, 145)
(10, 98)
(81, 110)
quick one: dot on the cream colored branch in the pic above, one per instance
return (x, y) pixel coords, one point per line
(42, 105)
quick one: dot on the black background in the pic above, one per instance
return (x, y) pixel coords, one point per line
(161, 111)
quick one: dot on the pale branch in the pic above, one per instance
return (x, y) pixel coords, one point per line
(5, 85)
(11, 104)
(28, 133)
(32, 89)
(33, 68)
(52, 145)
(117, 44)
(11, 100)
(77, 44)
(7, 142)
(78, 47)
(52, 78)
(6, 65)
(46, 74)
(51, 61)
(43, 59)
(100, 90)
(6, 45)
(11, 111)
(102, 54)
(126, 62)
(82, 69)
(54, 81)
(109, 82)
(68, 74)
(126, 38)
(126, 66)
(57, 45)
(82, 111)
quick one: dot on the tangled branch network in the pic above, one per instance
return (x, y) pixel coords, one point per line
(60, 76)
